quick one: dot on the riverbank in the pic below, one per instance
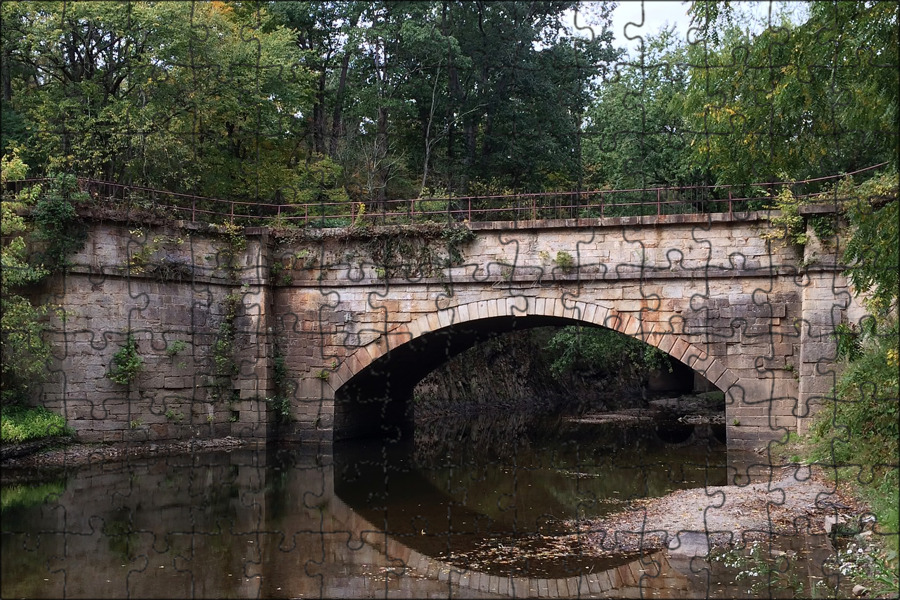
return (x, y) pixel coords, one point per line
(756, 525)
(788, 500)
(79, 454)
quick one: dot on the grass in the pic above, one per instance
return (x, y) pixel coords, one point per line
(21, 424)
(24, 496)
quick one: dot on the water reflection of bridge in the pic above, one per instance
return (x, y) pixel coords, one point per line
(632, 580)
(251, 524)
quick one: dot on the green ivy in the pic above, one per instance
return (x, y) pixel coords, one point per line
(175, 348)
(825, 226)
(413, 251)
(126, 363)
(56, 222)
(224, 365)
(236, 242)
(281, 402)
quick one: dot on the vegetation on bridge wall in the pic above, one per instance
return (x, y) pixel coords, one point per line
(33, 250)
(407, 252)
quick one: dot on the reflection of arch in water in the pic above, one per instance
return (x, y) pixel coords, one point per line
(650, 572)
(373, 384)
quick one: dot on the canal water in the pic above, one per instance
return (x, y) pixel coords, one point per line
(368, 519)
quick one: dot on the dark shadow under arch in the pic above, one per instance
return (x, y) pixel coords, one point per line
(376, 401)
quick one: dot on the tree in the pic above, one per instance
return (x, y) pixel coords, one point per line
(200, 97)
(23, 349)
(597, 351)
(796, 99)
(636, 135)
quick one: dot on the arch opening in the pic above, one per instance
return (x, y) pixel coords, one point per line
(376, 401)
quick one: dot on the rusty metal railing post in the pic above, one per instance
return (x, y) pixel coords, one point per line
(658, 206)
(730, 206)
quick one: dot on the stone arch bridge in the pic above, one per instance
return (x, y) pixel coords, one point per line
(330, 321)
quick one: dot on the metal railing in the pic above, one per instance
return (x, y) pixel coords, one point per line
(654, 201)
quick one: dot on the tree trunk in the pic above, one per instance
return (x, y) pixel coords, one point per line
(319, 115)
(381, 152)
(338, 106)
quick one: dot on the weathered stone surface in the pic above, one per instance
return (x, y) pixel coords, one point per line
(709, 291)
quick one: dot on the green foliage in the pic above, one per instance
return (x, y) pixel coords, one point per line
(455, 237)
(56, 222)
(861, 427)
(413, 251)
(147, 259)
(223, 352)
(358, 101)
(850, 337)
(825, 226)
(174, 415)
(224, 365)
(873, 210)
(280, 274)
(23, 495)
(389, 100)
(599, 351)
(281, 402)
(235, 244)
(126, 363)
(788, 224)
(643, 97)
(25, 353)
(565, 261)
(22, 423)
(183, 74)
(752, 122)
(304, 259)
(12, 167)
(175, 348)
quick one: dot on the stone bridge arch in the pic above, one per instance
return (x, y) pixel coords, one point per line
(755, 318)
(468, 323)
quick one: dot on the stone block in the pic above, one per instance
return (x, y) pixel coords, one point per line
(678, 349)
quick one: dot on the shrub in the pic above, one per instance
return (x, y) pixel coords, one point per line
(20, 424)
(57, 224)
(565, 261)
(126, 363)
